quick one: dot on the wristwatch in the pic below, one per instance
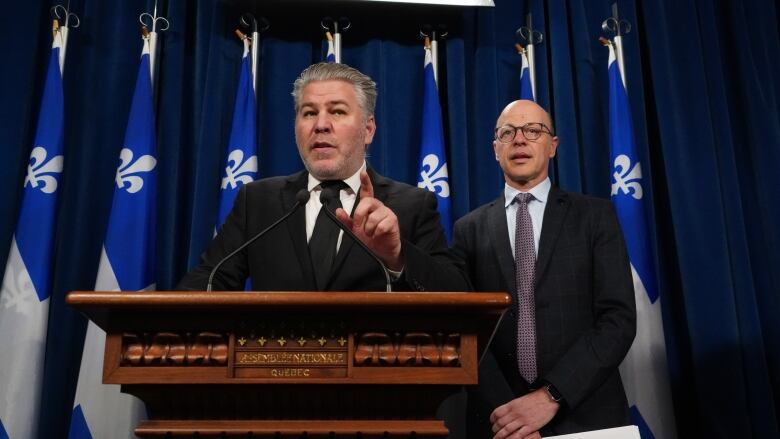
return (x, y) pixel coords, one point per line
(555, 395)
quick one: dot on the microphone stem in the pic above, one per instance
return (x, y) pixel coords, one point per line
(246, 244)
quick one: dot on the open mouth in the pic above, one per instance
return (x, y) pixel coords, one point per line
(520, 157)
(320, 146)
(323, 149)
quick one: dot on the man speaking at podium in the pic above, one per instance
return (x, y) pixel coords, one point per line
(399, 223)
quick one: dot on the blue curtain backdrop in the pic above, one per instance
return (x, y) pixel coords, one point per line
(704, 85)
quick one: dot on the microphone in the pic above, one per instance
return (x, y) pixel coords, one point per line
(301, 198)
(326, 195)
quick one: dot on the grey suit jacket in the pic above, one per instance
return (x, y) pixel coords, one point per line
(585, 311)
(280, 261)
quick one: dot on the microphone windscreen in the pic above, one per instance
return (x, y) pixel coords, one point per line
(302, 197)
(328, 193)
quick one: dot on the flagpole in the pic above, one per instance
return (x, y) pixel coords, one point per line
(336, 41)
(255, 45)
(618, 27)
(151, 37)
(532, 37)
(60, 31)
(432, 44)
(434, 56)
(249, 21)
(530, 53)
(249, 45)
(339, 26)
(153, 47)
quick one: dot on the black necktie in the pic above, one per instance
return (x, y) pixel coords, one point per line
(322, 245)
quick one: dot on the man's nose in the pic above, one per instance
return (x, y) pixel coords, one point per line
(322, 124)
(519, 138)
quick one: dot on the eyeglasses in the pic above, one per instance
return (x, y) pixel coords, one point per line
(531, 131)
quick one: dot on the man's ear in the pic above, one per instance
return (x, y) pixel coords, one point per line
(554, 146)
(370, 129)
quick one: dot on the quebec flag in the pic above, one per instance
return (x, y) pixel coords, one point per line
(432, 173)
(24, 297)
(127, 263)
(241, 155)
(526, 90)
(644, 370)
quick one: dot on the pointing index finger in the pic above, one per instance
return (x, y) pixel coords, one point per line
(366, 188)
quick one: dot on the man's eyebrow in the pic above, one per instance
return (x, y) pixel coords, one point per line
(327, 104)
(337, 102)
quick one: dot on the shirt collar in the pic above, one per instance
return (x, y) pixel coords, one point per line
(540, 192)
(353, 181)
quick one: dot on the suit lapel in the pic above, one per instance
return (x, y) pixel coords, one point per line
(499, 240)
(554, 214)
(296, 225)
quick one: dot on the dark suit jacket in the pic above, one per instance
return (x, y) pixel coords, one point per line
(585, 311)
(279, 261)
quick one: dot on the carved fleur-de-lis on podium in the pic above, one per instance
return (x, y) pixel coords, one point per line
(129, 173)
(434, 176)
(41, 174)
(238, 170)
(627, 178)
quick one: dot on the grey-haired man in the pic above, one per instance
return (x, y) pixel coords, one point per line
(334, 124)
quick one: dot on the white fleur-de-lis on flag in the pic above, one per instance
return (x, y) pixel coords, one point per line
(434, 176)
(126, 173)
(627, 179)
(239, 171)
(41, 172)
(16, 285)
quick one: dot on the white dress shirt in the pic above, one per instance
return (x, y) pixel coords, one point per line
(347, 197)
(535, 208)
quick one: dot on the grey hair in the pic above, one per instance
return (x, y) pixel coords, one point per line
(365, 87)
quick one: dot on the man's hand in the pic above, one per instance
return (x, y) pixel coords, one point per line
(375, 224)
(523, 417)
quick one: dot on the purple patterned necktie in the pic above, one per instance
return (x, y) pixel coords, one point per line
(525, 267)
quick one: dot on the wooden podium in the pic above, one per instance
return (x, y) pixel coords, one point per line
(292, 364)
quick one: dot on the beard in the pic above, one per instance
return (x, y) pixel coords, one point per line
(336, 167)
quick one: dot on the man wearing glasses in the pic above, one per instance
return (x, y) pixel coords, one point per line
(552, 367)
